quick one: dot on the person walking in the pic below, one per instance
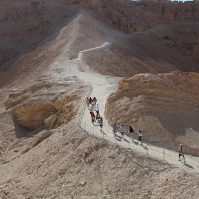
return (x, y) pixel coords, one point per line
(94, 99)
(114, 128)
(87, 102)
(122, 131)
(139, 136)
(98, 117)
(101, 123)
(131, 131)
(93, 118)
(97, 109)
(91, 111)
(93, 104)
(181, 153)
(90, 100)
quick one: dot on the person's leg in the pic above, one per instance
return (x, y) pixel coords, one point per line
(183, 158)
(132, 136)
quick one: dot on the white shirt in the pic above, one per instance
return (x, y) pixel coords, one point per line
(122, 128)
(139, 134)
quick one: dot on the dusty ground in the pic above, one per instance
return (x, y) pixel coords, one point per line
(63, 161)
(63, 167)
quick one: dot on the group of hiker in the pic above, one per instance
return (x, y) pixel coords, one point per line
(93, 106)
(91, 103)
(131, 131)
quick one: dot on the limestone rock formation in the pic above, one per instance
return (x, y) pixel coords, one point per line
(181, 37)
(165, 107)
(32, 114)
(32, 21)
(43, 105)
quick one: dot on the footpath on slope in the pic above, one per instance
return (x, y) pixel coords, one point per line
(101, 87)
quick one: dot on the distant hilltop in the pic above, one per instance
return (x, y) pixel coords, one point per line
(195, 1)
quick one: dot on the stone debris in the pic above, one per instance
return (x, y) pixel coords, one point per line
(133, 171)
(83, 183)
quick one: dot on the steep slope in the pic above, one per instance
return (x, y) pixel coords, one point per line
(78, 35)
(37, 93)
(126, 56)
(163, 106)
(71, 164)
(24, 24)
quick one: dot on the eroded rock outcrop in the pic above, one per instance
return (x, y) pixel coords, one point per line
(44, 105)
(31, 115)
(165, 107)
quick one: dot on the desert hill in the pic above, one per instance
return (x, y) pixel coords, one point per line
(26, 23)
(53, 53)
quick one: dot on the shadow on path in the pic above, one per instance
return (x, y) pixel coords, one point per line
(189, 166)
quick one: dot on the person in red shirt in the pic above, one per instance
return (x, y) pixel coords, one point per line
(93, 118)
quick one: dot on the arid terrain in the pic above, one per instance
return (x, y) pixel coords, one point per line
(140, 59)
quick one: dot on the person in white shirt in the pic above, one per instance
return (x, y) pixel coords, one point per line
(97, 109)
(115, 129)
(181, 153)
(122, 131)
(139, 136)
(93, 104)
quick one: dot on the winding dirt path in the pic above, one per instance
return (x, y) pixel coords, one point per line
(102, 86)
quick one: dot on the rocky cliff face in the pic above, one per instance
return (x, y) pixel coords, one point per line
(173, 10)
(165, 107)
(27, 23)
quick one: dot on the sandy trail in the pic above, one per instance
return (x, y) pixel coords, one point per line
(102, 86)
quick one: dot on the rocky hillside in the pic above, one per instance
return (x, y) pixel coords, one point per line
(163, 106)
(71, 164)
(44, 106)
(125, 56)
(24, 24)
(53, 47)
